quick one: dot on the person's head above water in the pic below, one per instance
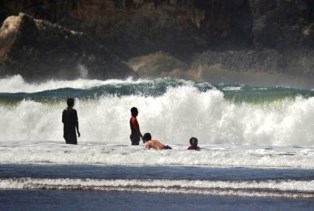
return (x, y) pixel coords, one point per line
(193, 144)
(70, 102)
(193, 141)
(134, 111)
(147, 137)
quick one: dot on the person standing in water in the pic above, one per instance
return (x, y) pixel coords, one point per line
(135, 128)
(70, 123)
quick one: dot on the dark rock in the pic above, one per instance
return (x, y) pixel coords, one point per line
(38, 50)
(265, 60)
(138, 27)
(158, 64)
(233, 34)
(283, 24)
(263, 67)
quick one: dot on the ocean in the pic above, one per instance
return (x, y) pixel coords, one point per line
(257, 146)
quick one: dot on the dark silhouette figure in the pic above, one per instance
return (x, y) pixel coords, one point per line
(70, 123)
(193, 144)
(135, 128)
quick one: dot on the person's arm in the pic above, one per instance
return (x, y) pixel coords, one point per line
(139, 131)
(77, 125)
(77, 129)
(63, 116)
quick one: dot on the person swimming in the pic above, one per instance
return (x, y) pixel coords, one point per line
(193, 144)
(153, 144)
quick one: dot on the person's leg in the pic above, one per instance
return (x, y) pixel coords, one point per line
(71, 138)
(135, 139)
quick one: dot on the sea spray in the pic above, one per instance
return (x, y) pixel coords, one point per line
(171, 110)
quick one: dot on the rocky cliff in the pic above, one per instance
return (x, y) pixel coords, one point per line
(39, 50)
(193, 31)
(137, 27)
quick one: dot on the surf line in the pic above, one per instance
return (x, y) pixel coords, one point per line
(286, 189)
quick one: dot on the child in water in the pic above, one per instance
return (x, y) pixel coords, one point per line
(193, 144)
(135, 128)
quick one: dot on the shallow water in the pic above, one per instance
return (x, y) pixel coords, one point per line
(215, 155)
(98, 200)
(267, 182)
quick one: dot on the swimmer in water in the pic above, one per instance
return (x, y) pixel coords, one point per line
(193, 144)
(153, 144)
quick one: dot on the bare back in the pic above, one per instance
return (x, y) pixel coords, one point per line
(154, 144)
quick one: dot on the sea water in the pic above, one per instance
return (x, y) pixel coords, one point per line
(256, 142)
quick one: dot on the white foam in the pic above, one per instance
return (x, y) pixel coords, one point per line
(245, 188)
(233, 88)
(17, 84)
(173, 118)
(109, 154)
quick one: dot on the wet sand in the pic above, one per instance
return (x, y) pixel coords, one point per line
(103, 200)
